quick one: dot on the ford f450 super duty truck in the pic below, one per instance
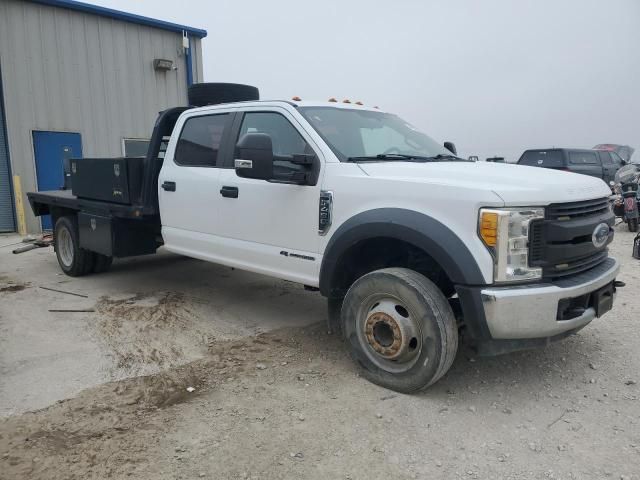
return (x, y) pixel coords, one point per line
(411, 245)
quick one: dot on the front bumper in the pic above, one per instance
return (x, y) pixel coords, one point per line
(531, 311)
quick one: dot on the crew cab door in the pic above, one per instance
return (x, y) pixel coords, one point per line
(270, 227)
(188, 184)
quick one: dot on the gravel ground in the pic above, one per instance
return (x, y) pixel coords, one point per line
(289, 404)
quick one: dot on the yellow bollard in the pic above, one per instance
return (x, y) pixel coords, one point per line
(17, 191)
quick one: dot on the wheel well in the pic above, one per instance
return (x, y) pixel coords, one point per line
(57, 212)
(383, 252)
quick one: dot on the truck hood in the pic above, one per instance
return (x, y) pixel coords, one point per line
(514, 184)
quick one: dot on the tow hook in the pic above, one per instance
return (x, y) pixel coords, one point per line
(619, 284)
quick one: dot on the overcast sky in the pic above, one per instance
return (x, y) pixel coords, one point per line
(494, 76)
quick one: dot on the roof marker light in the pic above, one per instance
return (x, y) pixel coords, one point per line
(332, 100)
(296, 99)
(359, 102)
(346, 100)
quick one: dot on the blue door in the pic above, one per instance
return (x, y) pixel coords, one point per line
(51, 149)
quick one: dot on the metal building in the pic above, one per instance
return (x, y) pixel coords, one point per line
(81, 80)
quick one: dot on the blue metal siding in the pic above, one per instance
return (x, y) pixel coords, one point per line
(7, 220)
(124, 16)
(189, 60)
(50, 149)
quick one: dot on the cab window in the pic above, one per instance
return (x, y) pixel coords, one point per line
(200, 141)
(583, 158)
(285, 138)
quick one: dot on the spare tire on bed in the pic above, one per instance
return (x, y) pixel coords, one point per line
(201, 94)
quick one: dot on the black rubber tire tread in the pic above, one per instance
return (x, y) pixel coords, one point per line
(334, 321)
(82, 259)
(201, 94)
(436, 310)
(632, 224)
(101, 263)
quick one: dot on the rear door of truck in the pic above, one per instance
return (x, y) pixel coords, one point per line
(188, 184)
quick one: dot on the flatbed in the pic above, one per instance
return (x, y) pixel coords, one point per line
(43, 202)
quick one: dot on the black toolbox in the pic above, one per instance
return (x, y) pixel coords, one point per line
(116, 180)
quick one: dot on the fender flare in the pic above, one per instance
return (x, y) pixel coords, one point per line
(415, 228)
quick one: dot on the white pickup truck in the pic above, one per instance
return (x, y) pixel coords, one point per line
(412, 246)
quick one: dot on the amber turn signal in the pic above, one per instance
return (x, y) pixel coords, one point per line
(489, 228)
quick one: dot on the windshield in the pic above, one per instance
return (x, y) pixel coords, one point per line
(362, 133)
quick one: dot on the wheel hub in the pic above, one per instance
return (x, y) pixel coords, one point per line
(65, 246)
(391, 332)
(383, 334)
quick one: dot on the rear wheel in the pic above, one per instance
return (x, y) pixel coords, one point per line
(632, 223)
(73, 260)
(400, 329)
(101, 263)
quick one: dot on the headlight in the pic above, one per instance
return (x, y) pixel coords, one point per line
(505, 232)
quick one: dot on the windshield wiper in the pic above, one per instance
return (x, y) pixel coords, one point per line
(387, 156)
(447, 156)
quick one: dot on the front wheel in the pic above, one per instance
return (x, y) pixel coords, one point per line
(400, 329)
(632, 223)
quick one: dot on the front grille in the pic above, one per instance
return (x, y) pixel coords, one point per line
(576, 266)
(568, 211)
(536, 242)
(561, 243)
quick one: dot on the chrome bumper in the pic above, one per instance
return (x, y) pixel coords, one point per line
(530, 311)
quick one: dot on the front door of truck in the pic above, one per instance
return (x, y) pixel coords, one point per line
(272, 227)
(188, 183)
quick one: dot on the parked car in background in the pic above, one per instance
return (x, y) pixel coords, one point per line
(596, 163)
(496, 159)
(625, 151)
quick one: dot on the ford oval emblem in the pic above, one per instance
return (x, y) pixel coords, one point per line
(600, 235)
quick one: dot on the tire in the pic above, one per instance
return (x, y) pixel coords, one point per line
(101, 263)
(632, 223)
(334, 308)
(399, 329)
(201, 94)
(73, 260)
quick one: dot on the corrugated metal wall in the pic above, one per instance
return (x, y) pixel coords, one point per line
(69, 71)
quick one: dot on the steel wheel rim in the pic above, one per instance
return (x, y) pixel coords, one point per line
(65, 247)
(389, 333)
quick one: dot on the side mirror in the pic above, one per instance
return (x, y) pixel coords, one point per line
(451, 147)
(255, 156)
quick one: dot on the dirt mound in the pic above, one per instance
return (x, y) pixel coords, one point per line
(146, 332)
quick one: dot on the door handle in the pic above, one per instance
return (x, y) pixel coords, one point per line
(169, 186)
(229, 192)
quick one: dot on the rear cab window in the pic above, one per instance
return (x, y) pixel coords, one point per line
(200, 140)
(542, 158)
